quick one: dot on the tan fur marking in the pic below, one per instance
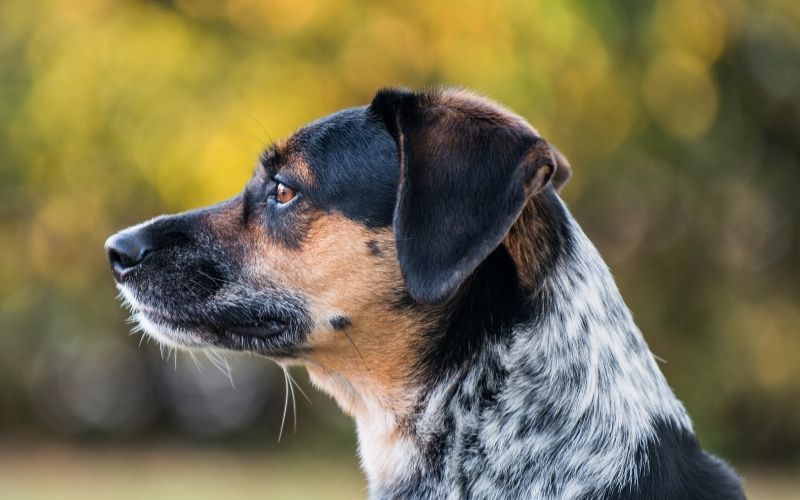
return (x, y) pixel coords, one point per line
(376, 352)
(298, 166)
(372, 361)
(526, 244)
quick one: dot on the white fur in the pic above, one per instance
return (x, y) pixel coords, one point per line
(177, 338)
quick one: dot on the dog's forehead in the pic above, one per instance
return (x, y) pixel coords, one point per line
(354, 166)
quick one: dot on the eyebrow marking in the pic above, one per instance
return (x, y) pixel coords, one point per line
(269, 158)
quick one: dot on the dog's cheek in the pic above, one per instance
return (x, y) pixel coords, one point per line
(349, 280)
(349, 271)
(363, 327)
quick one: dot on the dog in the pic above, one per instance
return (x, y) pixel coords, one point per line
(415, 256)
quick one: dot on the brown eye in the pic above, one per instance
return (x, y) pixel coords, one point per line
(284, 194)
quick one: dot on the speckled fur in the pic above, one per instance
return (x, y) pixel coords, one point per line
(562, 410)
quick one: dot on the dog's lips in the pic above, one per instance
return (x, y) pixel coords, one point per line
(261, 329)
(269, 328)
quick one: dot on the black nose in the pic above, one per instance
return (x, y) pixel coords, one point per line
(125, 251)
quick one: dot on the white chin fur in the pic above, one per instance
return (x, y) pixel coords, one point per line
(167, 335)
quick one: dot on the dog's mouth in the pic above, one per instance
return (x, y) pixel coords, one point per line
(227, 329)
(262, 328)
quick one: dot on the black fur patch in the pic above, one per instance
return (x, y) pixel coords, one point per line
(354, 162)
(354, 171)
(340, 322)
(374, 248)
(674, 466)
(484, 310)
(492, 301)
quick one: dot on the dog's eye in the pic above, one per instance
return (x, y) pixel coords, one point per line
(284, 194)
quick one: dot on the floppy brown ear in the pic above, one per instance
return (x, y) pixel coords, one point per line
(467, 168)
(563, 170)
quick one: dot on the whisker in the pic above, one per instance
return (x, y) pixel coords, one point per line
(194, 358)
(285, 404)
(228, 369)
(261, 125)
(356, 348)
(212, 278)
(294, 400)
(214, 361)
(221, 363)
(293, 381)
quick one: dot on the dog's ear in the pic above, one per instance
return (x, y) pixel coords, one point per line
(563, 170)
(467, 168)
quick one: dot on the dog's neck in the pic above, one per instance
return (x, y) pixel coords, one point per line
(549, 380)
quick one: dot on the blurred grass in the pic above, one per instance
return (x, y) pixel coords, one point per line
(66, 473)
(771, 484)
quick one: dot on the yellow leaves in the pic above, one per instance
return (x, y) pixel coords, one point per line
(608, 116)
(65, 237)
(680, 94)
(202, 164)
(384, 51)
(280, 16)
(484, 65)
(768, 341)
(699, 27)
(678, 87)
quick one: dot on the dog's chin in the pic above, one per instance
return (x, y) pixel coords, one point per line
(171, 334)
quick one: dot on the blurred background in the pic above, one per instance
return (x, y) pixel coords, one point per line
(681, 119)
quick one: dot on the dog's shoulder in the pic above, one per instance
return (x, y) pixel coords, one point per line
(672, 465)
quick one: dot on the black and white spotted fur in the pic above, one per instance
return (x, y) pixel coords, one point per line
(570, 404)
(557, 395)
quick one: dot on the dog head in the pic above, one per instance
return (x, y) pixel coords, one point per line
(357, 231)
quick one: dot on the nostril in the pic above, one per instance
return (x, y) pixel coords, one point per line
(120, 259)
(125, 251)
